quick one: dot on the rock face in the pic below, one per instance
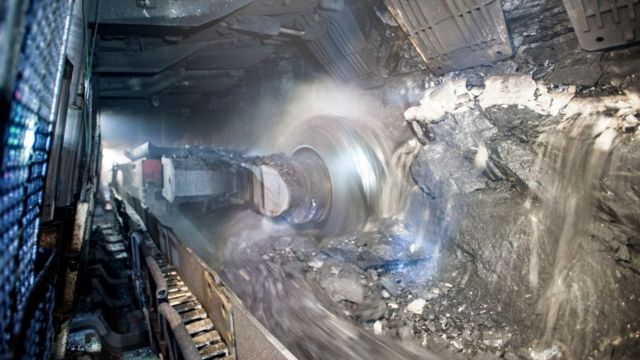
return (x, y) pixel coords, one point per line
(526, 161)
(527, 238)
(545, 171)
(439, 171)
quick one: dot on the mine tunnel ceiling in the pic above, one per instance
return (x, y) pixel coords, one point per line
(180, 50)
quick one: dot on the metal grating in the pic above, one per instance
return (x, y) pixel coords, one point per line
(601, 24)
(454, 34)
(27, 138)
(38, 340)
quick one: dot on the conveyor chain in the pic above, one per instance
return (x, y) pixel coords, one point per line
(201, 329)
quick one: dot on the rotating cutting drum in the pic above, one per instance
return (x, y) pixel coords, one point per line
(343, 162)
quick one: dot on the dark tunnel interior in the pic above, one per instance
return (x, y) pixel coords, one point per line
(320, 179)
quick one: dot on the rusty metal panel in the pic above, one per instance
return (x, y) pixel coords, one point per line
(49, 236)
(79, 226)
(604, 24)
(454, 34)
(69, 295)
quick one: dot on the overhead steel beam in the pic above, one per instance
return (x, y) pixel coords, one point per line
(186, 13)
(208, 79)
(254, 24)
(140, 87)
(213, 57)
(178, 80)
(147, 61)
